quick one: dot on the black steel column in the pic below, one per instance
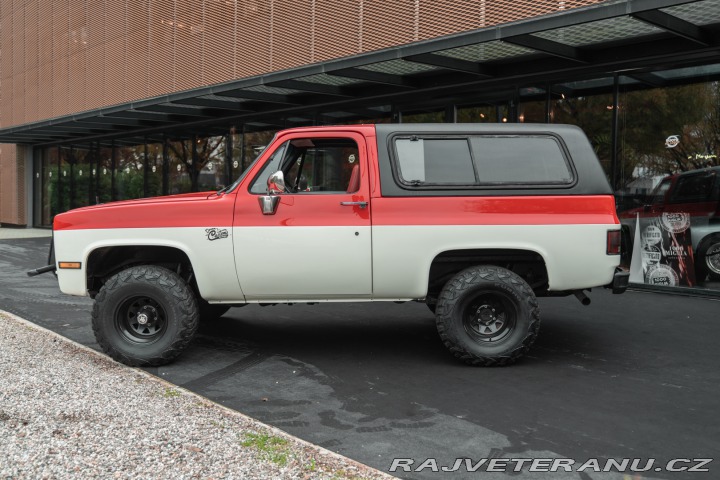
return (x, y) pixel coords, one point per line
(228, 157)
(113, 193)
(548, 100)
(145, 171)
(71, 161)
(614, 158)
(165, 168)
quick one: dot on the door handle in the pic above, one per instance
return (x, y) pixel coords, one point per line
(354, 204)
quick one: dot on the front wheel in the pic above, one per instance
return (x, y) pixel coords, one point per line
(487, 316)
(145, 316)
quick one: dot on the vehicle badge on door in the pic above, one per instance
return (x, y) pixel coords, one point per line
(216, 233)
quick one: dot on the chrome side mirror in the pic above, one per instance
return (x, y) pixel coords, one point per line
(275, 184)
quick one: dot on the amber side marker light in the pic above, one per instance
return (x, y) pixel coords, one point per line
(614, 239)
(70, 265)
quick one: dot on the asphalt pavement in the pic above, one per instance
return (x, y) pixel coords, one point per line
(632, 376)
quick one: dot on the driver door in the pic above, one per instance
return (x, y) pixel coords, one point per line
(317, 244)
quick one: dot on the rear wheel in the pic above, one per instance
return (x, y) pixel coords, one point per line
(145, 315)
(487, 316)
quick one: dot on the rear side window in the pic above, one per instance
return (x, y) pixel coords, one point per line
(482, 161)
(434, 161)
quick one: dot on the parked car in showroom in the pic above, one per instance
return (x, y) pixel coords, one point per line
(696, 192)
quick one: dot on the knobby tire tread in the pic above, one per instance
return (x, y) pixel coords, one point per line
(171, 284)
(454, 289)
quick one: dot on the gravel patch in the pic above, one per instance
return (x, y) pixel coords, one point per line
(68, 412)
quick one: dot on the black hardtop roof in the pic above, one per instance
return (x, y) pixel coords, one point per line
(589, 176)
(502, 128)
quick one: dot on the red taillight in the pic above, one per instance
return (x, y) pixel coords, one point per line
(613, 242)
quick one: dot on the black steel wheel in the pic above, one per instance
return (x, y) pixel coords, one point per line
(145, 316)
(141, 319)
(487, 316)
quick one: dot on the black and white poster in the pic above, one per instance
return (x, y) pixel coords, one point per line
(662, 251)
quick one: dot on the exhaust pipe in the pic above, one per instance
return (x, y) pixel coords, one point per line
(41, 270)
(581, 296)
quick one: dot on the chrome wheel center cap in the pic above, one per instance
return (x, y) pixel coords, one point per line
(142, 318)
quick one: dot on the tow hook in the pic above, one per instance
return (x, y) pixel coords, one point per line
(581, 296)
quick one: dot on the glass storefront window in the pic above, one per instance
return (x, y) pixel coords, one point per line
(210, 163)
(103, 175)
(49, 175)
(669, 181)
(179, 163)
(483, 113)
(154, 169)
(64, 179)
(532, 106)
(82, 176)
(437, 116)
(590, 110)
(252, 146)
(129, 167)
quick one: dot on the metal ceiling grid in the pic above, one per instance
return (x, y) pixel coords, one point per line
(486, 52)
(599, 32)
(699, 13)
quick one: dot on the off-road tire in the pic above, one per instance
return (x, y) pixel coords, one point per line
(487, 294)
(144, 289)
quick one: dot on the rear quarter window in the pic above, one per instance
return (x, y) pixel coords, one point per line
(482, 161)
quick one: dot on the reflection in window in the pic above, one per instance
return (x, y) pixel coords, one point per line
(483, 114)
(424, 117)
(664, 131)
(210, 163)
(154, 169)
(129, 167)
(592, 113)
(179, 163)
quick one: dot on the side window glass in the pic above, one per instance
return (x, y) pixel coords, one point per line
(259, 186)
(435, 161)
(520, 160)
(327, 165)
(478, 160)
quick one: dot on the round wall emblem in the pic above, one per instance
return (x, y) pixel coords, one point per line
(672, 141)
(652, 235)
(675, 222)
(662, 275)
(651, 255)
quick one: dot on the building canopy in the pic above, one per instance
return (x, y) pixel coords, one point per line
(626, 36)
